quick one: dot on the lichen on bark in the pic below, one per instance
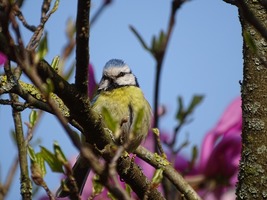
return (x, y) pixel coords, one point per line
(252, 179)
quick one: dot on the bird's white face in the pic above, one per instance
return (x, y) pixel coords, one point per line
(117, 74)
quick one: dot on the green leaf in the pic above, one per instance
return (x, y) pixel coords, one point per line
(111, 196)
(162, 38)
(43, 48)
(41, 163)
(180, 113)
(52, 161)
(59, 153)
(128, 189)
(49, 86)
(70, 28)
(158, 43)
(110, 122)
(183, 113)
(55, 7)
(194, 155)
(31, 154)
(197, 99)
(97, 186)
(157, 177)
(37, 165)
(153, 44)
(156, 131)
(55, 63)
(33, 117)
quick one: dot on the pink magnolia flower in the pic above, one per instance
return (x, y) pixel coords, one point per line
(3, 58)
(219, 156)
(221, 147)
(92, 86)
(229, 124)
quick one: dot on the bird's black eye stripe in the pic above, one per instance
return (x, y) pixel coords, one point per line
(122, 74)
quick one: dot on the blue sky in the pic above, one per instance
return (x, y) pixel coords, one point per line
(204, 57)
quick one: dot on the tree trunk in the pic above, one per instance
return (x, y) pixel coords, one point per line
(252, 179)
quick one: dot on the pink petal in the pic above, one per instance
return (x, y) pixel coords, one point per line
(92, 83)
(207, 148)
(223, 161)
(230, 123)
(3, 58)
(231, 119)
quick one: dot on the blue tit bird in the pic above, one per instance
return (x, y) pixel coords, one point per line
(119, 94)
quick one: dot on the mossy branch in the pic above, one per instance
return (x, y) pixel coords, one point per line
(26, 186)
(32, 95)
(176, 179)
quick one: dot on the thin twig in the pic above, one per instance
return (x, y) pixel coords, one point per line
(156, 100)
(19, 14)
(34, 41)
(176, 4)
(17, 105)
(99, 11)
(160, 148)
(16, 29)
(48, 191)
(29, 133)
(45, 8)
(100, 170)
(112, 172)
(10, 177)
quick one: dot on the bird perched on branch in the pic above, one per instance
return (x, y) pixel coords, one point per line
(124, 110)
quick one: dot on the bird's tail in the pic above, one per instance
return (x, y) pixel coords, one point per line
(80, 172)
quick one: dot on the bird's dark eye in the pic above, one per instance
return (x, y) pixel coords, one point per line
(121, 74)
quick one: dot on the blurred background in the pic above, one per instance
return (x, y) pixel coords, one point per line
(204, 57)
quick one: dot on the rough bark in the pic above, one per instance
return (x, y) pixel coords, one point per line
(252, 179)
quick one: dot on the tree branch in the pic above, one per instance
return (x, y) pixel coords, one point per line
(99, 169)
(254, 139)
(82, 46)
(176, 179)
(251, 18)
(26, 186)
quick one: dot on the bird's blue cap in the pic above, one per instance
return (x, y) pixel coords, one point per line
(115, 62)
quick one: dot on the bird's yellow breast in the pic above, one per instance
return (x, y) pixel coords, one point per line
(125, 103)
(119, 99)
